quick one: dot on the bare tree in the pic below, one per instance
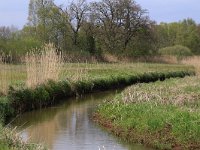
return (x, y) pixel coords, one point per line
(118, 21)
(5, 33)
(77, 13)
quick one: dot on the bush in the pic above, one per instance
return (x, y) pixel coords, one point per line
(6, 110)
(177, 50)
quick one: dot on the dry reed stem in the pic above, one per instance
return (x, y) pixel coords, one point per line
(43, 66)
(9, 73)
(193, 61)
(4, 77)
(172, 92)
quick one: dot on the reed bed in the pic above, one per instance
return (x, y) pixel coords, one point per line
(3, 75)
(193, 61)
(43, 65)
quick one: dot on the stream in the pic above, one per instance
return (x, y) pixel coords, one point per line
(68, 126)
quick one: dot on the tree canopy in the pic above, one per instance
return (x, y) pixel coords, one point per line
(119, 27)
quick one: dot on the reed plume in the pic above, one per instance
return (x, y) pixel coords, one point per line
(42, 65)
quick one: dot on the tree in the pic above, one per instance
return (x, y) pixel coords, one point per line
(184, 33)
(5, 33)
(119, 21)
(59, 27)
(87, 31)
(32, 15)
(38, 17)
(76, 12)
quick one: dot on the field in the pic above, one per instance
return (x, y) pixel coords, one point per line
(164, 115)
(74, 79)
(17, 74)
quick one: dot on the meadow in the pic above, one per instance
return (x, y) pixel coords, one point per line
(16, 74)
(44, 79)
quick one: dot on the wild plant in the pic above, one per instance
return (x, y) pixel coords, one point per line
(43, 65)
(14, 141)
(5, 73)
(165, 93)
(193, 61)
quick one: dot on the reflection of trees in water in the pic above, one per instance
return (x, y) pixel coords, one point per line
(43, 133)
(71, 122)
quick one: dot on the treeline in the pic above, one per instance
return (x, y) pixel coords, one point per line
(117, 27)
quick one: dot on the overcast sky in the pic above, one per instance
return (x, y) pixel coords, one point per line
(15, 12)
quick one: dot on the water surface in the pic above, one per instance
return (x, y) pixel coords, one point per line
(68, 126)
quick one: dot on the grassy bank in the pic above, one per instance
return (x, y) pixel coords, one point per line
(78, 79)
(164, 115)
(16, 75)
(50, 93)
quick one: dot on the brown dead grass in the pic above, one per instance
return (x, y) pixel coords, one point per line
(193, 61)
(43, 66)
(5, 75)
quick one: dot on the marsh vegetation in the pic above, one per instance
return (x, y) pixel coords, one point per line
(84, 47)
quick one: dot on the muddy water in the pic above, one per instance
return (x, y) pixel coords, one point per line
(68, 126)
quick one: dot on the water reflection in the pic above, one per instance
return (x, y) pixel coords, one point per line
(68, 126)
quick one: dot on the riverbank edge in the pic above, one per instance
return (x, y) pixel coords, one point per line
(155, 140)
(22, 100)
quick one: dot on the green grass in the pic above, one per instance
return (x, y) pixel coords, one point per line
(76, 79)
(164, 114)
(81, 78)
(16, 74)
(3, 146)
(25, 99)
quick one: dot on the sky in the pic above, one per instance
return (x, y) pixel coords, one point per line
(15, 12)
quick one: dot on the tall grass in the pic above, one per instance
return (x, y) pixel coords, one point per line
(2, 75)
(45, 64)
(10, 139)
(194, 61)
(5, 73)
(40, 65)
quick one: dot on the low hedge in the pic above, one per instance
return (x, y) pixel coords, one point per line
(28, 99)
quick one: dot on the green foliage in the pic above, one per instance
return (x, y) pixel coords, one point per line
(147, 111)
(10, 140)
(6, 110)
(19, 47)
(184, 33)
(177, 50)
(51, 92)
(4, 146)
(107, 76)
(25, 99)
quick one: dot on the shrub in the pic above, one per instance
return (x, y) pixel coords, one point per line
(178, 50)
(5, 110)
